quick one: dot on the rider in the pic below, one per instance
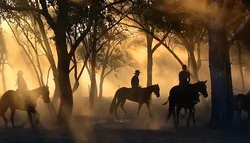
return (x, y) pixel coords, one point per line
(184, 79)
(184, 76)
(135, 82)
(21, 84)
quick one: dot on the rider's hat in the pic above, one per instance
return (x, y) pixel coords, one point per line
(137, 71)
(20, 72)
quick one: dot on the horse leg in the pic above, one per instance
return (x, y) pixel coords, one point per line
(139, 108)
(248, 115)
(238, 112)
(175, 122)
(150, 114)
(185, 114)
(178, 109)
(116, 107)
(30, 117)
(5, 121)
(12, 117)
(37, 115)
(122, 106)
(170, 111)
(189, 116)
(193, 116)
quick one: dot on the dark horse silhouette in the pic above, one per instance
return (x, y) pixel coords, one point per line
(11, 99)
(143, 96)
(242, 103)
(185, 99)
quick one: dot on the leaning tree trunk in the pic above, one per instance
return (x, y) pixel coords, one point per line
(66, 97)
(221, 80)
(149, 59)
(193, 65)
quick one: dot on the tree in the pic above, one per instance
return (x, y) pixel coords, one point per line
(60, 25)
(215, 15)
(3, 57)
(112, 57)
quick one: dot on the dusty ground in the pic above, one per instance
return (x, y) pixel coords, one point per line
(103, 128)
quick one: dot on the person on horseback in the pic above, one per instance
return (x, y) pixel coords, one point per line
(184, 80)
(184, 76)
(22, 88)
(135, 82)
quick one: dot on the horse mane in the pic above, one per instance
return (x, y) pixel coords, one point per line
(197, 83)
(39, 89)
(150, 86)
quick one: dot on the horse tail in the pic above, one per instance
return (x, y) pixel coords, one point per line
(113, 103)
(166, 102)
(4, 102)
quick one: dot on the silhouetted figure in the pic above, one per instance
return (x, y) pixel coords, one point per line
(22, 88)
(184, 81)
(135, 79)
(184, 76)
(135, 82)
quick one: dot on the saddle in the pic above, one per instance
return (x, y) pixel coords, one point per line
(185, 90)
(135, 92)
(24, 94)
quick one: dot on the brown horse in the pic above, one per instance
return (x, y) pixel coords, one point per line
(11, 99)
(123, 94)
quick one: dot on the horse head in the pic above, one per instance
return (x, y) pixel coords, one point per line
(45, 94)
(202, 88)
(156, 90)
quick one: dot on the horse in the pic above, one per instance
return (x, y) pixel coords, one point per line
(185, 99)
(11, 99)
(124, 93)
(242, 103)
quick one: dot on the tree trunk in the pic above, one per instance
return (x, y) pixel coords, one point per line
(93, 87)
(221, 80)
(3, 77)
(241, 67)
(193, 65)
(149, 59)
(50, 58)
(66, 97)
(101, 86)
